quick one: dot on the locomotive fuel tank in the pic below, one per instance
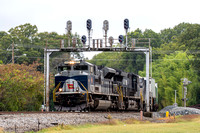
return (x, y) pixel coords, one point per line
(102, 104)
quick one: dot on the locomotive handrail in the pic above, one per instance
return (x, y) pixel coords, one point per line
(119, 91)
(85, 90)
(54, 92)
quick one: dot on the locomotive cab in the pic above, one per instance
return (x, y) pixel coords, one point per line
(72, 76)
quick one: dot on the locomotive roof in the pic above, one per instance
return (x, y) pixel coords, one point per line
(87, 63)
(120, 72)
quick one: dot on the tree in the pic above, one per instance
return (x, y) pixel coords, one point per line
(126, 61)
(168, 73)
(190, 39)
(21, 87)
(23, 33)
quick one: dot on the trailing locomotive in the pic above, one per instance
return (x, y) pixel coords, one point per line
(80, 85)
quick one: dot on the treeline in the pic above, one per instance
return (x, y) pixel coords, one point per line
(29, 44)
(175, 55)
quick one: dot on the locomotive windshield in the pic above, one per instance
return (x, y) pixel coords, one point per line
(81, 67)
(62, 68)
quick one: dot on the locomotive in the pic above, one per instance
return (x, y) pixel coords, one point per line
(81, 86)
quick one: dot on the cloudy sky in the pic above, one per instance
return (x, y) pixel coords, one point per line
(52, 15)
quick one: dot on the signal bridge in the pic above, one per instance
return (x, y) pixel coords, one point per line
(97, 46)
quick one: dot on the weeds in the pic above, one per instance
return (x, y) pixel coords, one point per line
(57, 128)
(134, 121)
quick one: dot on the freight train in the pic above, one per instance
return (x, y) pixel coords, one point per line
(81, 86)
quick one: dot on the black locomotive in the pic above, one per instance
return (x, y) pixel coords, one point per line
(80, 85)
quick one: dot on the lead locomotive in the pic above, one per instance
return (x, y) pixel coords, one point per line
(80, 85)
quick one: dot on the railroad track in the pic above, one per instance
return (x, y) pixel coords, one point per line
(59, 112)
(33, 121)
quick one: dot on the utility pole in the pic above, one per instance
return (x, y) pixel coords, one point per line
(185, 83)
(175, 104)
(13, 61)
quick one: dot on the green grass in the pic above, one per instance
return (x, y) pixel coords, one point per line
(180, 125)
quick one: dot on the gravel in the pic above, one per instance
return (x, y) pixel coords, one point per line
(178, 111)
(29, 122)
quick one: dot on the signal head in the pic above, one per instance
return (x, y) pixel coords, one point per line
(105, 25)
(89, 24)
(69, 25)
(83, 39)
(126, 24)
(121, 38)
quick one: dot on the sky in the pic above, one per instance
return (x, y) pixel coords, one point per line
(52, 15)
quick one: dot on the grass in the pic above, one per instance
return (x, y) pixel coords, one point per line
(182, 124)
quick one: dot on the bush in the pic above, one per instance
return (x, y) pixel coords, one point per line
(21, 87)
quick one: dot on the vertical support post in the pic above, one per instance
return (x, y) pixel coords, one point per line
(185, 83)
(97, 43)
(185, 93)
(147, 81)
(93, 43)
(182, 96)
(150, 50)
(126, 39)
(47, 80)
(61, 46)
(101, 43)
(68, 39)
(45, 71)
(89, 39)
(69, 28)
(13, 61)
(175, 104)
(105, 38)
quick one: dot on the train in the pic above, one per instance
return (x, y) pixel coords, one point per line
(83, 86)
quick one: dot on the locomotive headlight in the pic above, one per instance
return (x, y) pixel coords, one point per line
(60, 89)
(77, 89)
(71, 62)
